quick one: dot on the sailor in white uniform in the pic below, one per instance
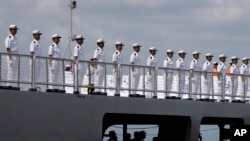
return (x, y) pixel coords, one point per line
(11, 45)
(54, 65)
(117, 59)
(152, 63)
(99, 56)
(35, 50)
(234, 70)
(208, 77)
(78, 58)
(244, 71)
(221, 70)
(135, 71)
(195, 74)
(168, 74)
(181, 66)
(91, 72)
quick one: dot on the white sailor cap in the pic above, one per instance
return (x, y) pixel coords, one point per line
(234, 57)
(119, 43)
(182, 51)
(209, 54)
(196, 52)
(79, 37)
(170, 51)
(215, 63)
(152, 48)
(136, 45)
(100, 41)
(12, 26)
(222, 56)
(56, 36)
(245, 58)
(36, 32)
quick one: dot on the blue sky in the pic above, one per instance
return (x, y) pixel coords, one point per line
(216, 26)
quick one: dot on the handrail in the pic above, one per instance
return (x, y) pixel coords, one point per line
(129, 79)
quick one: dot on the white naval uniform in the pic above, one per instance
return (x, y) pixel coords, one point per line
(117, 57)
(91, 73)
(99, 78)
(234, 70)
(36, 49)
(135, 74)
(79, 53)
(11, 42)
(55, 52)
(152, 62)
(168, 75)
(244, 70)
(207, 83)
(196, 79)
(221, 68)
(180, 64)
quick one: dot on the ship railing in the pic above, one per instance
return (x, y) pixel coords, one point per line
(119, 79)
(139, 80)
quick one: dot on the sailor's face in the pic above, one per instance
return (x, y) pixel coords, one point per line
(245, 62)
(101, 45)
(234, 61)
(37, 36)
(196, 56)
(13, 31)
(56, 40)
(119, 47)
(137, 49)
(170, 54)
(223, 59)
(153, 52)
(209, 58)
(182, 55)
(80, 41)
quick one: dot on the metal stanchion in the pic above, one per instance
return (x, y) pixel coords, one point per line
(118, 79)
(155, 82)
(76, 90)
(143, 83)
(32, 74)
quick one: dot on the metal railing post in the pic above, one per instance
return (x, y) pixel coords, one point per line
(63, 68)
(47, 73)
(18, 75)
(76, 77)
(89, 77)
(33, 72)
(244, 86)
(179, 82)
(212, 85)
(155, 81)
(118, 79)
(105, 78)
(129, 79)
(232, 86)
(166, 81)
(190, 84)
(143, 83)
(223, 85)
(1, 68)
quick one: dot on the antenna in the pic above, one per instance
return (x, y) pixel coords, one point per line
(72, 6)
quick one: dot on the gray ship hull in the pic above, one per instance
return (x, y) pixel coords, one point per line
(39, 116)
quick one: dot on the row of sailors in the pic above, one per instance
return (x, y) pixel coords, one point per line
(99, 56)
